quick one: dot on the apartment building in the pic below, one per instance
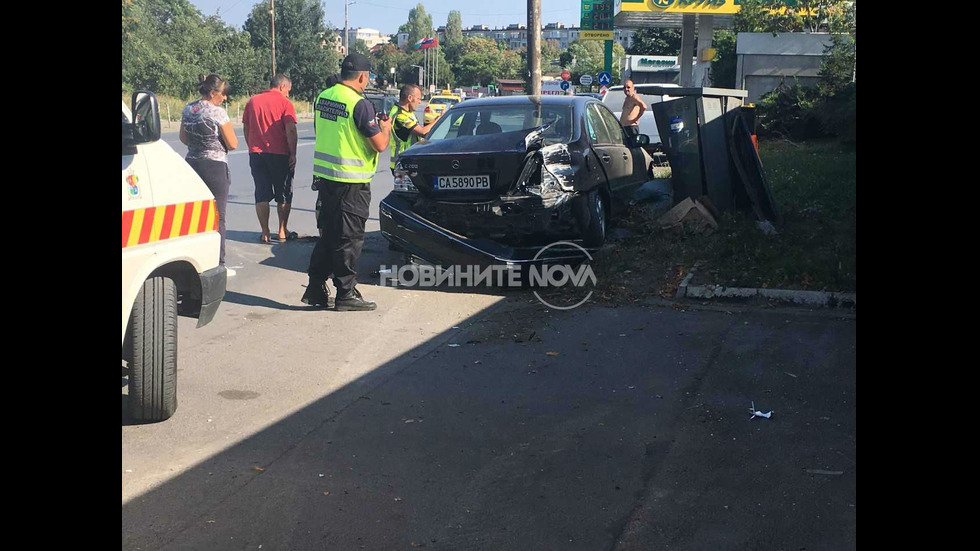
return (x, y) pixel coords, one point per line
(514, 36)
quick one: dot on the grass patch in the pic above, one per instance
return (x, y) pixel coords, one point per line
(814, 186)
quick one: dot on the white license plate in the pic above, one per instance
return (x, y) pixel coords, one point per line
(463, 182)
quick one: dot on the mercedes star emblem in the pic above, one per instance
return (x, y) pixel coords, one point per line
(456, 165)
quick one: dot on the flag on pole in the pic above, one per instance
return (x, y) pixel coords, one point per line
(429, 42)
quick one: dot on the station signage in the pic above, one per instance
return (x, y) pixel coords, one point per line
(706, 7)
(597, 20)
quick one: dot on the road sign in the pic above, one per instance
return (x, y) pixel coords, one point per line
(605, 79)
(565, 84)
(603, 90)
(585, 80)
(565, 75)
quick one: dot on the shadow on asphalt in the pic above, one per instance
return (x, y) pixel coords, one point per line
(606, 424)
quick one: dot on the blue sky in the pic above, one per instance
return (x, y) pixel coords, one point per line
(388, 15)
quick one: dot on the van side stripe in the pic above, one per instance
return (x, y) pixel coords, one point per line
(186, 223)
(205, 209)
(152, 224)
(168, 221)
(127, 225)
(134, 234)
(147, 225)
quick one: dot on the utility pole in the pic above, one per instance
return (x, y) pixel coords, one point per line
(272, 18)
(347, 4)
(534, 45)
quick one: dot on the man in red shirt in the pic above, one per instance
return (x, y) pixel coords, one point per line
(269, 122)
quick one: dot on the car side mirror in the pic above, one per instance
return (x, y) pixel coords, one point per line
(146, 117)
(642, 139)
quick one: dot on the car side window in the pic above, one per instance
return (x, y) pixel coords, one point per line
(601, 129)
(615, 129)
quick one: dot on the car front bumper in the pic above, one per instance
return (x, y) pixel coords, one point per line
(213, 283)
(425, 239)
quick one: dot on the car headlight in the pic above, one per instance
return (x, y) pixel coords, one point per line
(403, 182)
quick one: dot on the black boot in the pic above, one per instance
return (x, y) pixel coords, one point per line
(352, 300)
(317, 294)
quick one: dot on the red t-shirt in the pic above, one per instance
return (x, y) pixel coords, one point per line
(266, 115)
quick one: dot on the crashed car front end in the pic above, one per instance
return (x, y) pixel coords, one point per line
(538, 208)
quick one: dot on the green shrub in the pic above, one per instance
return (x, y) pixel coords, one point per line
(838, 114)
(788, 112)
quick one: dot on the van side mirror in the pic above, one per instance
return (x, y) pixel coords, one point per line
(146, 117)
(642, 139)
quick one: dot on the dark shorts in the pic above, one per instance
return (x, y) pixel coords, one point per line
(273, 179)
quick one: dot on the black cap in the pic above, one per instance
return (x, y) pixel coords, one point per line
(356, 62)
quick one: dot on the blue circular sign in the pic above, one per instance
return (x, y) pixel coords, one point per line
(564, 85)
(605, 79)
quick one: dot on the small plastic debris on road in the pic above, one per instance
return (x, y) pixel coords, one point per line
(551, 353)
(453, 345)
(758, 413)
(258, 469)
(823, 472)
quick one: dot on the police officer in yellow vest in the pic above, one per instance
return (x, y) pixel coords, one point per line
(349, 138)
(405, 127)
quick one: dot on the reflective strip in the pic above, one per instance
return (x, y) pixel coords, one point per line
(164, 222)
(331, 173)
(337, 160)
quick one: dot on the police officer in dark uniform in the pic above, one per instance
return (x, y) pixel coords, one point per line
(349, 138)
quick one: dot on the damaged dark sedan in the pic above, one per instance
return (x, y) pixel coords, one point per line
(499, 178)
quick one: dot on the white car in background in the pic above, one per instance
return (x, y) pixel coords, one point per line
(650, 94)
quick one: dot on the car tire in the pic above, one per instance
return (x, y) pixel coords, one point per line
(152, 351)
(594, 234)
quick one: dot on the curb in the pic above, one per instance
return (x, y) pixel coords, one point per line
(809, 298)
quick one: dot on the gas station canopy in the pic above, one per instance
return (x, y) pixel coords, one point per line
(670, 13)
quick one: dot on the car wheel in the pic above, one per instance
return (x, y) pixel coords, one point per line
(152, 351)
(595, 230)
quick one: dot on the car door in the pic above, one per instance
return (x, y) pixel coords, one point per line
(610, 146)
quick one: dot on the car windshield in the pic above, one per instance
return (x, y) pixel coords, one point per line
(479, 121)
(442, 100)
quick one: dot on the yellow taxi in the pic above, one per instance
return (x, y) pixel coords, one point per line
(437, 105)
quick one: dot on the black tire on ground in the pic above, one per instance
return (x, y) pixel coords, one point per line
(594, 234)
(153, 364)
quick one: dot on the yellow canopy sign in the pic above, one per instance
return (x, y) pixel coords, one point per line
(725, 7)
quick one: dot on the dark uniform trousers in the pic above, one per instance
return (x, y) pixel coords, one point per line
(343, 214)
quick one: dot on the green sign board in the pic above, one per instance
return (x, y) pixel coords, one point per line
(597, 15)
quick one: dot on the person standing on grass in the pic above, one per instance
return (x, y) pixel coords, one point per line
(269, 123)
(206, 131)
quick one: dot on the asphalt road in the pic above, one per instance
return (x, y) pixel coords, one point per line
(482, 420)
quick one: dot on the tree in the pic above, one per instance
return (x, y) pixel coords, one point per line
(550, 50)
(656, 41)
(166, 44)
(419, 24)
(454, 29)
(360, 47)
(299, 34)
(588, 58)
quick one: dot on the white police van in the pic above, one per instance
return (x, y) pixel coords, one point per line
(170, 247)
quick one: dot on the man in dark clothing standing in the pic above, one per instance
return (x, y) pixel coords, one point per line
(349, 138)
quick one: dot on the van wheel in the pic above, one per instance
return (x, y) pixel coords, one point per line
(595, 229)
(153, 351)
